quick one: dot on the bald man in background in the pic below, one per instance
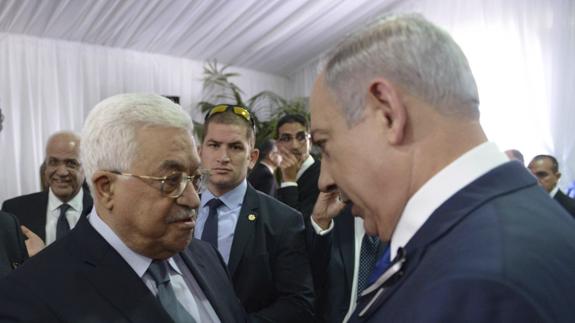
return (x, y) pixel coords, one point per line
(51, 214)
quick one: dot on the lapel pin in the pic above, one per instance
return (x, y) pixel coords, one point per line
(252, 217)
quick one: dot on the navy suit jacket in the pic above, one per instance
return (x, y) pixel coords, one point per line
(81, 278)
(268, 261)
(31, 210)
(499, 250)
(12, 248)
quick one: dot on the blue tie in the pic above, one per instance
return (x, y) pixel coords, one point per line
(381, 266)
(367, 259)
(210, 233)
(62, 226)
(158, 270)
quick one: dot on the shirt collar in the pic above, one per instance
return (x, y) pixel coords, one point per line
(438, 189)
(76, 202)
(231, 199)
(304, 166)
(554, 191)
(138, 262)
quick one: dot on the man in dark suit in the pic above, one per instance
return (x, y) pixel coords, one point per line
(51, 214)
(299, 170)
(262, 176)
(12, 248)
(472, 238)
(546, 169)
(261, 239)
(132, 259)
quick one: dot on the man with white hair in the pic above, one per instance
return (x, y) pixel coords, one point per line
(472, 238)
(133, 258)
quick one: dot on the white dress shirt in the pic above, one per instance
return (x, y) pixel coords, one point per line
(53, 213)
(184, 284)
(438, 189)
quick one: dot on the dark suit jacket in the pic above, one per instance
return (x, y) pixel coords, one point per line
(31, 210)
(263, 180)
(499, 250)
(268, 261)
(81, 278)
(332, 258)
(303, 196)
(12, 248)
(565, 201)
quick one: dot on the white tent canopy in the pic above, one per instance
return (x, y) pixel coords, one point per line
(58, 58)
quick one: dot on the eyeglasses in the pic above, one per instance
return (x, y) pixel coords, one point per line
(300, 136)
(236, 109)
(173, 185)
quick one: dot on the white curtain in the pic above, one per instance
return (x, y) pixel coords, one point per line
(48, 86)
(521, 53)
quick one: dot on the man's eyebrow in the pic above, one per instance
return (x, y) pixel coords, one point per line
(167, 165)
(316, 132)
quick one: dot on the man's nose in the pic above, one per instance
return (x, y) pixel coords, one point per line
(326, 182)
(189, 197)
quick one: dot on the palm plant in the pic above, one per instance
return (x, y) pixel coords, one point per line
(217, 88)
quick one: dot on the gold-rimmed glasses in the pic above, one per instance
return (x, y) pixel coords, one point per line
(174, 184)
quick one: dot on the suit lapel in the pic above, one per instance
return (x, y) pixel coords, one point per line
(346, 232)
(115, 280)
(501, 180)
(197, 265)
(38, 214)
(245, 228)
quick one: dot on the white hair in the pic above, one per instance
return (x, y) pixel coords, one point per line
(109, 133)
(409, 51)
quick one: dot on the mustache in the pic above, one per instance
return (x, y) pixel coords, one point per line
(182, 214)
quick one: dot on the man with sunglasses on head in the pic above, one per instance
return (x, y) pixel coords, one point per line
(133, 258)
(261, 239)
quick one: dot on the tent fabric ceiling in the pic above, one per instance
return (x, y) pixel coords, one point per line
(275, 36)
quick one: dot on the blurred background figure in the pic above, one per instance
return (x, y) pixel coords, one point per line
(546, 169)
(262, 177)
(515, 154)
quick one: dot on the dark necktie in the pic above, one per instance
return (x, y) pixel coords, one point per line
(62, 226)
(210, 233)
(158, 270)
(367, 259)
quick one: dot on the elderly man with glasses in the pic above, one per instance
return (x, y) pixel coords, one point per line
(133, 258)
(261, 239)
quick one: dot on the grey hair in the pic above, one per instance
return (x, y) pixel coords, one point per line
(109, 133)
(410, 52)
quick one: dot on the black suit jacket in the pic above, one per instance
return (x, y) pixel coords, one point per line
(565, 201)
(303, 196)
(31, 210)
(332, 257)
(499, 250)
(12, 248)
(268, 261)
(81, 278)
(263, 180)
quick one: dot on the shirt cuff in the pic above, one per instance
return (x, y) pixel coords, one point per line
(319, 230)
(286, 184)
